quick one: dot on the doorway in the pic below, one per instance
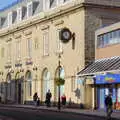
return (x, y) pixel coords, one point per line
(19, 93)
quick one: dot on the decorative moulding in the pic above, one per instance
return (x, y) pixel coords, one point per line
(16, 36)
(28, 32)
(45, 27)
(58, 22)
(9, 39)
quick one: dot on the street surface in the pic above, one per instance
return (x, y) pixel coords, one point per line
(7, 113)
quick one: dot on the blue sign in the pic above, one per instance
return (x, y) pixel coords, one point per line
(108, 78)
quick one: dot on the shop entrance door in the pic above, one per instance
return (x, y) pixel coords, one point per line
(101, 97)
(19, 93)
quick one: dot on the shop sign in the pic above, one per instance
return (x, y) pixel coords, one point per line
(108, 79)
(89, 81)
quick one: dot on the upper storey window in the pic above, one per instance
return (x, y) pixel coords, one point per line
(52, 3)
(67, 0)
(19, 14)
(46, 43)
(9, 18)
(24, 12)
(2, 21)
(59, 2)
(29, 9)
(14, 16)
(48, 4)
(109, 38)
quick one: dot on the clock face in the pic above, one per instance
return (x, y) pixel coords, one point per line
(65, 35)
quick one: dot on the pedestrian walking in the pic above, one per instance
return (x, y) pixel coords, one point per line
(48, 98)
(108, 103)
(35, 97)
(38, 101)
(63, 99)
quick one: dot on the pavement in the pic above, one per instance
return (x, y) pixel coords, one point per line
(88, 112)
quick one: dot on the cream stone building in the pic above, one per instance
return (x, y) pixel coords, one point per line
(30, 46)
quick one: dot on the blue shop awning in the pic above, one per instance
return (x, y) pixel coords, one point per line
(101, 65)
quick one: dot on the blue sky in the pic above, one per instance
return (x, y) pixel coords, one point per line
(4, 3)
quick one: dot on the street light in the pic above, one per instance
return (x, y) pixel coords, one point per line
(59, 67)
(65, 36)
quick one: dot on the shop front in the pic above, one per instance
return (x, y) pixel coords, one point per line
(108, 83)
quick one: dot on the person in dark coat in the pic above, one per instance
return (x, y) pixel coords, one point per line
(38, 101)
(63, 99)
(35, 97)
(48, 98)
(109, 103)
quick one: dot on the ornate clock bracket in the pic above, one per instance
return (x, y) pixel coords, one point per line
(65, 35)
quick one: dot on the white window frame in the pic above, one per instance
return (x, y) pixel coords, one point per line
(52, 7)
(9, 18)
(45, 43)
(58, 42)
(18, 49)
(68, 1)
(29, 47)
(46, 4)
(19, 14)
(36, 44)
(9, 51)
(28, 14)
(60, 2)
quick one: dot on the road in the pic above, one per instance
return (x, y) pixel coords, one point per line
(7, 113)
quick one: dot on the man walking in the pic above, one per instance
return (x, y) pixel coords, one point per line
(35, 97)
(48, 98)
(108, 103)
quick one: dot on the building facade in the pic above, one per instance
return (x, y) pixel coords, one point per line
(30, 46)
(104, 71)
(108, 45)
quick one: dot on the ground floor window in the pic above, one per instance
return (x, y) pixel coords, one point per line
(103, 91)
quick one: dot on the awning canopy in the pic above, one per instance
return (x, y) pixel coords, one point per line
(101, 65)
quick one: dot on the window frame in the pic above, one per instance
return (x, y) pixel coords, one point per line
(9, 50)
(45, 43)
(59, 43)
(29, 47)
(28, 12)
(18, 49)
(19, 14)
(9, 18)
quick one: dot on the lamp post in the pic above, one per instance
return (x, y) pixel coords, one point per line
(59, 67)
(64, 35)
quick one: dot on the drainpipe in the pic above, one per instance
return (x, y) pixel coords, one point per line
(95, 100)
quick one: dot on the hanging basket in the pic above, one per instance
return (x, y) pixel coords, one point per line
(59, 81)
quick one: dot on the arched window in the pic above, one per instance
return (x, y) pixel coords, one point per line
(17, 75)
(29, 82)
(8, 80)
(46, 82)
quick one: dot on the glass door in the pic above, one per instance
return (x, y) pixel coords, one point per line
(102, 98)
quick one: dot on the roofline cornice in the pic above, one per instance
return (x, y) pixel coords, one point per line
(47, 16)
(36, 20)
(101, 6)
